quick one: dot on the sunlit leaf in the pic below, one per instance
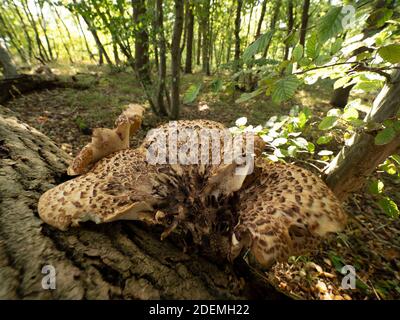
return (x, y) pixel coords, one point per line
(191, 93)
(324, 140)
(297, 53)
(376, 187)
(330, 24)
(390, 53)
(328, 123)
(389, 207)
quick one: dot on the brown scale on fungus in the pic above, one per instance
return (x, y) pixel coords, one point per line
(270, 213)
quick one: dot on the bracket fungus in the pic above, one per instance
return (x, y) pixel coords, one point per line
(268, 211)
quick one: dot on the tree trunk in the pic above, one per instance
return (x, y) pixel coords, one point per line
(340, 96)
(176, 59)
(272, 25)
(237, 31)
(162, 68)
(260, 21)
(290, 19)
(355, 162)
(304, 22)
(198, 45)
(142, 63)
(189, 38)
(25, 83)
(205, 19)
(9, 70)
(122, 260)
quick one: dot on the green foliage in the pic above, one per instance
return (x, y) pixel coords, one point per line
(330, 24)
(390, 53)
(191, 93)
(257, 46)
(285, 88)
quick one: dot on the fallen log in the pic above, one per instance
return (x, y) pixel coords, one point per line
(120, 260)
(12, 87)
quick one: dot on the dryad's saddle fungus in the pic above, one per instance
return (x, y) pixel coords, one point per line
(270, 212)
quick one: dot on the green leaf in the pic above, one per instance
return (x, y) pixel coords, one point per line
(385, 136)
(328, 123)
(341, 82)
(396, 158)
(292, 150)
(324, 139)
(390, 53)
(350, 113)
(191, 93)
(368, 85)
(301, 143)
(216, 85)
(376, 187)
(257, 46)
(285, 88)
(330, 24)
(336, 46)
(310, 147)
(312, 47)
(297, 53)
(279, 141)
(389, 207)
(247, 96)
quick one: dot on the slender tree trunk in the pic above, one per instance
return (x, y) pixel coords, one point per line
(273, 24)
(175, 59)
(260, 21)
(304, 22)
(91, 55)
(205, 19)
(162, 69)
(249, 25)
(12, 37)
(198, 45)
(142, 62)
(9, 70)
(290, 19)
(358, 159)
(25, 30)
(42, 22)
(237, 31)
(189, 45)
(42, 51)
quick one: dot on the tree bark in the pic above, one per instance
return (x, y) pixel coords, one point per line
(340, 96)
(304, 22)
(176, 59)
(189, 38)
(260, 21)
(237, 31)
(21, 84)
(357, 160)
(290, 19)
(122, 260)
(9, 70)
(272, 25)
(142, 62)
(205, 19)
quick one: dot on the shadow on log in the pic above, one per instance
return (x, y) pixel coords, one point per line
(12, 87)
(121, 260)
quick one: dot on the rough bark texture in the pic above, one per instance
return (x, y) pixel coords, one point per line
(237, 30)
(176, 59)
(304, 22)
(189, 45)
(142, 62)
(111, 261)
(357, 160)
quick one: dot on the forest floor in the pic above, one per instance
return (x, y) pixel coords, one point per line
(371, 241)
